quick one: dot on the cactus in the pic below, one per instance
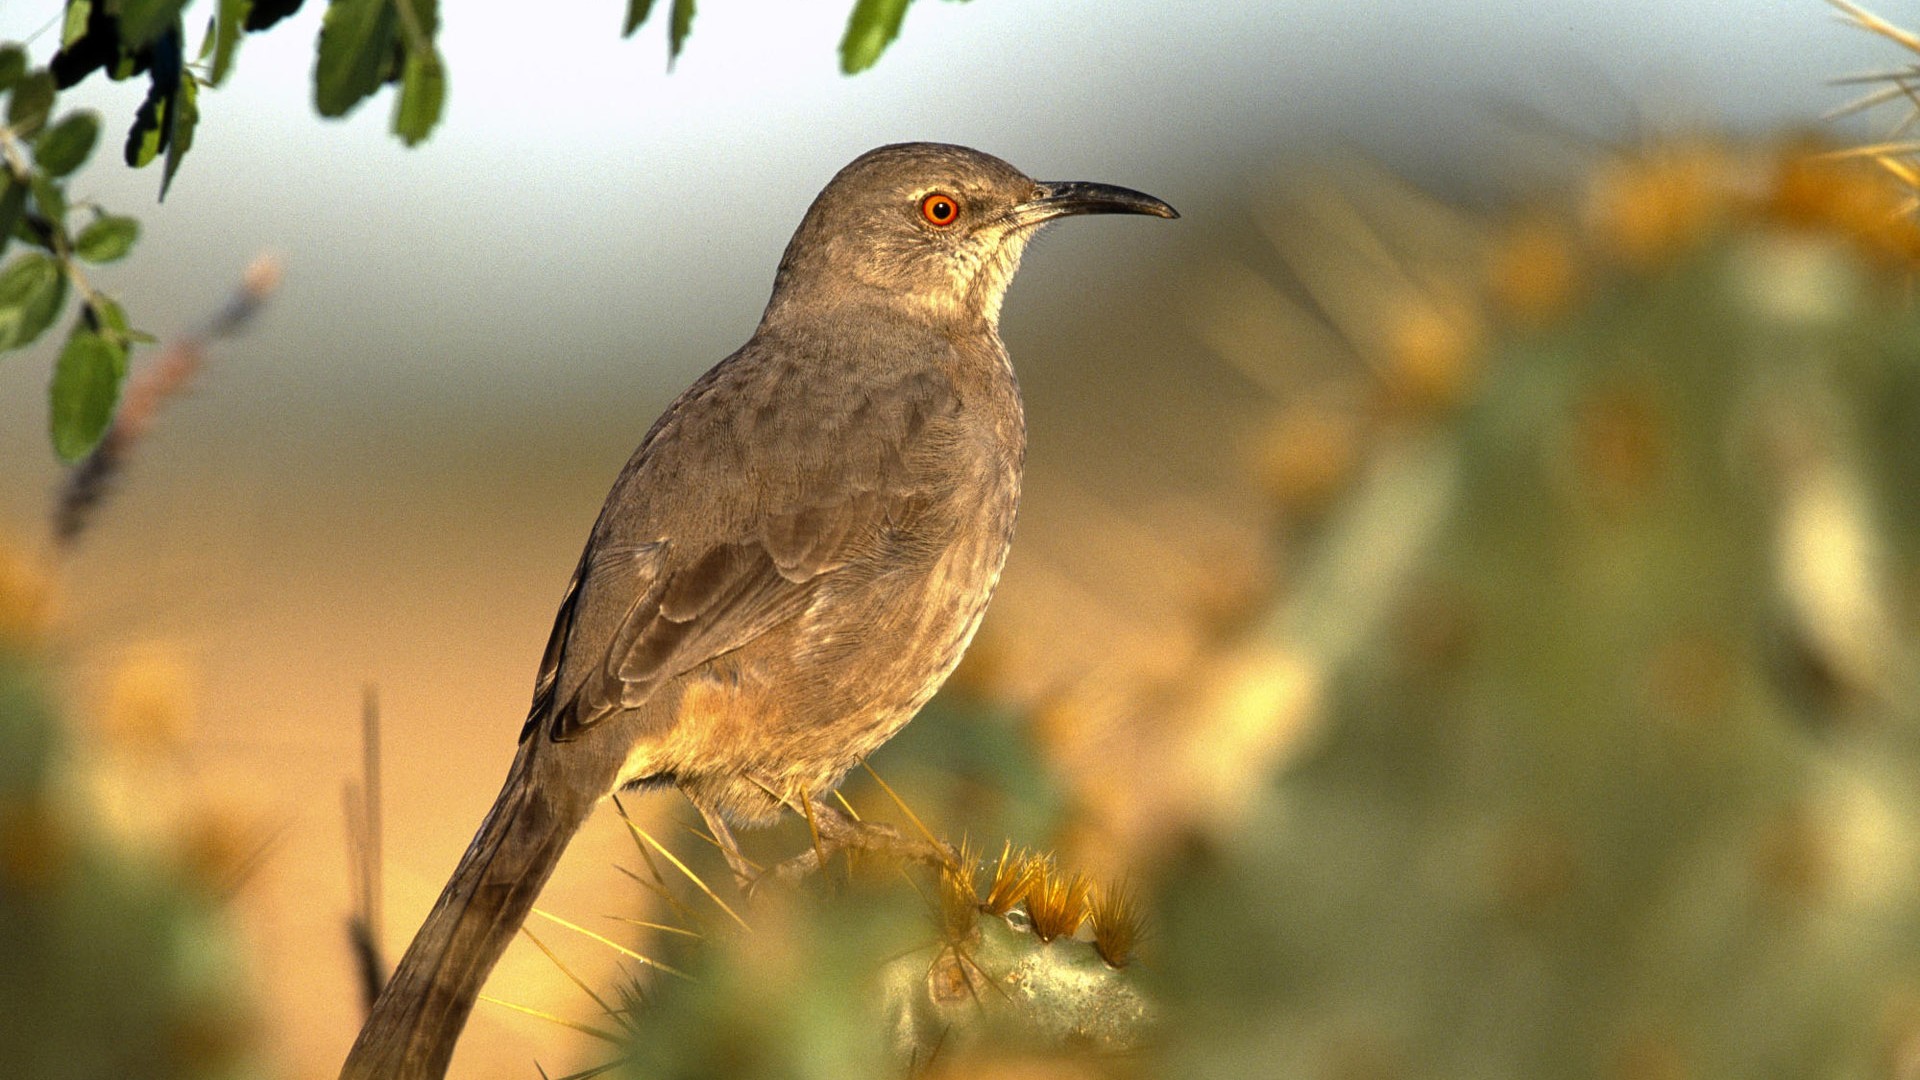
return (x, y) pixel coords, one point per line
(859, 974)
(1620, 785)
(113, 962)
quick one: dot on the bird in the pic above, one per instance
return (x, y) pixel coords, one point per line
(788, 566)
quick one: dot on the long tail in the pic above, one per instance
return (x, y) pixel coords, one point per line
(411, 1032)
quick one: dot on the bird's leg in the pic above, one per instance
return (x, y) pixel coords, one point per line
(837, 831)
(880, 837)
(743, 874)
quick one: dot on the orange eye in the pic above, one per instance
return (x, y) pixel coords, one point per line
(939, 209)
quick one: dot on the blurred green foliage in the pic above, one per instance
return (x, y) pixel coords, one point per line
(116, 963)
(1627, 789)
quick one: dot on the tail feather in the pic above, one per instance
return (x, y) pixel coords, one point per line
(410, 1033)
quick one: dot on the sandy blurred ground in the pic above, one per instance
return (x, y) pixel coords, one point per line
(285, 550)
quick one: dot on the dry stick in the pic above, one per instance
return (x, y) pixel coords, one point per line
(243, 872)
(364, 829)
(146, 394)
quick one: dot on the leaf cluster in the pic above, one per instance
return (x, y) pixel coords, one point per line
(364, 45)
(59, 241)
(871, 27)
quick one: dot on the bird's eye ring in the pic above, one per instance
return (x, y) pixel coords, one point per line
(940, 209)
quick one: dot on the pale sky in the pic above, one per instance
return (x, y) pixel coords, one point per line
(580, 206)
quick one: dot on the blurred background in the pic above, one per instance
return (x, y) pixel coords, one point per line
(1468, 577)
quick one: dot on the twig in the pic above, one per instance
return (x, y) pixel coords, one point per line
(364, 829)
(146, 394)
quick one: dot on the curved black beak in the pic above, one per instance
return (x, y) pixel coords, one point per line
(1058, 198)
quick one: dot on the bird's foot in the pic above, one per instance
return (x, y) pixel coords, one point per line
(835, 831)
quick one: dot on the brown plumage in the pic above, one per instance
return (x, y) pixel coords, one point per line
(789, 565)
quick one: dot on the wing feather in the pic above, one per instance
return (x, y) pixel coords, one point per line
(691, 582)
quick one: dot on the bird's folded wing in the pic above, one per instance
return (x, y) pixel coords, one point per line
(687, 606)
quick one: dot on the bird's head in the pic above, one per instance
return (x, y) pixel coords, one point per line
(934, 229)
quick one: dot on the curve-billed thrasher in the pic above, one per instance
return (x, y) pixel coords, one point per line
(789, 565)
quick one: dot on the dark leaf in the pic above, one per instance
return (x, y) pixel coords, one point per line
(153, 126)
(86, 384)
(66, 145)
(186, 115)
(870, 29)
(13, 201)
(233, 14)
(265, 13)
(89, 41)
(130, 64)
(680, 24)
(166, 57)
(31, 101)
(148, 135)
(32, 291)
(13, 64)
(637, 12)
(356, 47)
(141, 21)
(107, 239)
(423, 90)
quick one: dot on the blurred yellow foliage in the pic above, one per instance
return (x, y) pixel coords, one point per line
(26, 597)
(1533, 269)
(1307, 454)
(148, 702)
(1646, 208)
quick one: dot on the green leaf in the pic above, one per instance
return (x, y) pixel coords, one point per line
(678, 26)
(13, 64)
(870, 29)
(66, 145)
(109, 319)
(79, 14)
(356, 43)
(422, 74)
(108, 239)
(227, 30)
(143, 20)
(186, 115)
(31, 101)
(86, 385)
(419, 23)
(637, 12)
(49, 200)
(13, 201)
(32, 291)
(423, 91)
